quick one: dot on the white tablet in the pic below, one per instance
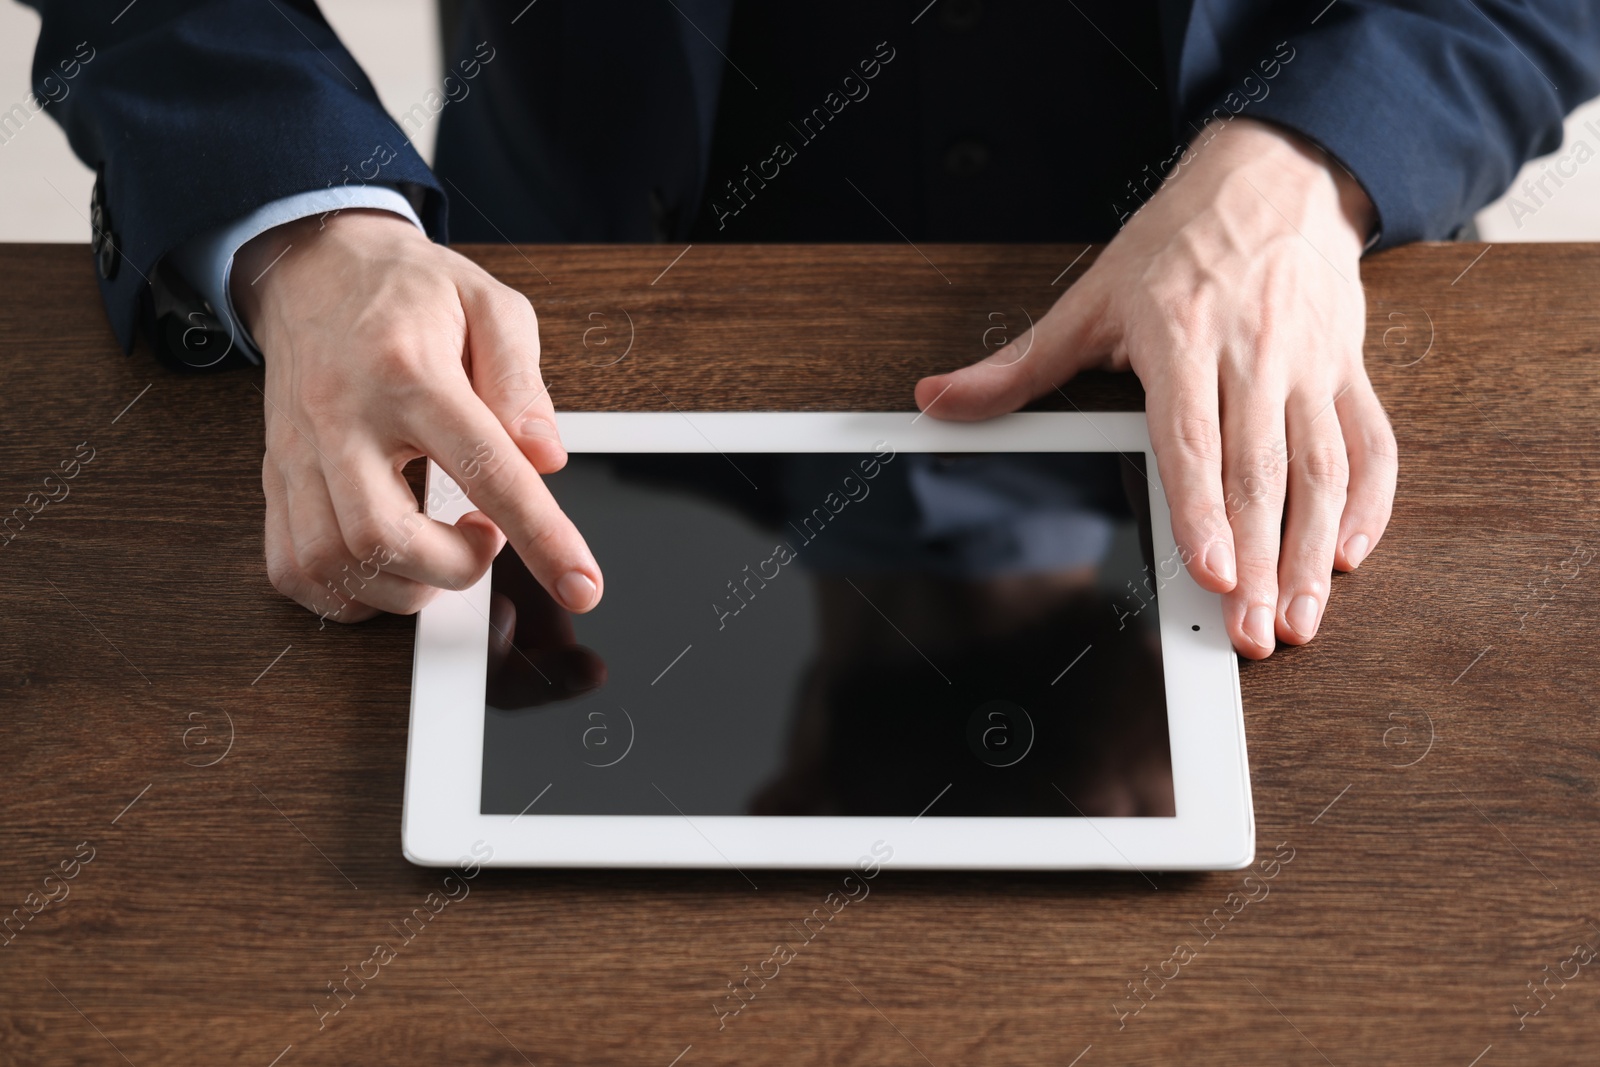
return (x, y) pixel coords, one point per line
(834, 639)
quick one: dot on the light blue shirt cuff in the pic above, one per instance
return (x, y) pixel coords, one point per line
(206, 261)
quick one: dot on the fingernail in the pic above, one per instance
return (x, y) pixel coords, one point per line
(539, 428)
(1355, 550)
(1258, 625)
(576, 590)
(1302, 615)
(1219, 561)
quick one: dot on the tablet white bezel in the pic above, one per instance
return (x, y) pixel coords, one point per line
(1214, 829)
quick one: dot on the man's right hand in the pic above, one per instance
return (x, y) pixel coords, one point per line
(380, 347)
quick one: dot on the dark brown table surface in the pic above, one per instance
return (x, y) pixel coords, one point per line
(1431, 759)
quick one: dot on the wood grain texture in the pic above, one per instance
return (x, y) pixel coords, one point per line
(1431, 759)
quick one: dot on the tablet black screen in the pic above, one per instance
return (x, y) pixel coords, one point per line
(837, 634)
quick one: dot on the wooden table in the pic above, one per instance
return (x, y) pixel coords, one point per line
(1430, 760)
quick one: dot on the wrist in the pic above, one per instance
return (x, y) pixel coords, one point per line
(1304, 183)
(262, 266)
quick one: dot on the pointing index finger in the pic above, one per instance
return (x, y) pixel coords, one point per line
(501, 481)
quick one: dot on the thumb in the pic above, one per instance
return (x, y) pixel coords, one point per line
(503, 351)
(1051, 351)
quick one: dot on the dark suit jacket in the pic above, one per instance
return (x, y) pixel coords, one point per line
(593, 120)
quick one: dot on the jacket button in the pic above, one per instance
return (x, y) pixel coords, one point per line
(106, 257)
(663, 218)
(103, 241)
(966, 158)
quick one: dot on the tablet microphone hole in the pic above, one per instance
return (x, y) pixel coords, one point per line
(1196, 626)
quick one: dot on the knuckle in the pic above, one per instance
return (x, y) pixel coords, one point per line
(547, 544)
(319, 557)
(325, 582)
(1258, 581)
(1197, 438)
(1199, 519)
(1257, 545)
(281, 570)
(469, 572)
(1178, 302)
(1259, 471)
(1325, 467)
(1318, 587)
(515, 304)
(544, 539)
(493, 468)
(502, 299)
(413, 600)
(1313, 557)
(346, 612)
(1367, 424)
(1202, 523)
(365, 535)
(1379, 443)
(1180, 328)
(395, 360)
(400, 369)
(471, 466)
(514, 308)
(519, 379)
(281, 436)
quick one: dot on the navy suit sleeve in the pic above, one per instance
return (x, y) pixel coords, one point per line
(196, 112)
(1434, 105)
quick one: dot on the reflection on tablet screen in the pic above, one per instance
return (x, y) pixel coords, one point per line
(835, 634)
